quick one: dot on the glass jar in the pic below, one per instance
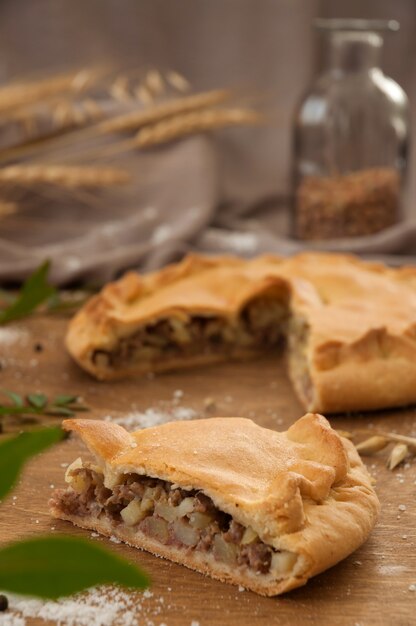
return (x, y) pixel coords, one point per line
(351, 138)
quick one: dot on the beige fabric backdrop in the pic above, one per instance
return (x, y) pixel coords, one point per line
(242, 181)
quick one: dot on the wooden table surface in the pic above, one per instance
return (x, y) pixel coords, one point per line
(369, 588)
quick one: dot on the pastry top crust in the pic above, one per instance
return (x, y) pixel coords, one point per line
(198, 285)
(296, 489)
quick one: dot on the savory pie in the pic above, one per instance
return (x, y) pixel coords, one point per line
(349, 326)
(224, 496)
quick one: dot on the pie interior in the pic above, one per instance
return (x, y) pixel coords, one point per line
(259, 326)
(169, 515)
(225, 496)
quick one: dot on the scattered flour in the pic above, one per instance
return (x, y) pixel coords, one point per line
(153, 417)
(12, 620)
(10, 335)
(100, 606)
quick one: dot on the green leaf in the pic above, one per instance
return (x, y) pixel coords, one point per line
(52, 567)
(59, 411)
(38, 400)
(7, 296)
(54, 301)
(15, 397)
(15, 451)
(16, 410)
(63, 399)
(33, 292)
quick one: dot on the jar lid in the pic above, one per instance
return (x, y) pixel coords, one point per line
(356, 24)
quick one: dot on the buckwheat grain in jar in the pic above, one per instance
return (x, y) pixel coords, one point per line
(351, 138)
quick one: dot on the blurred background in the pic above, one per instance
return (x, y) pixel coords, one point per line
(226, 191)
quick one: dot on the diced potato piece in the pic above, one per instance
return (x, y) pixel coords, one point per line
(171, 513)
(157, 528)
(224, 551)
(180, 332)
(80, 482)
(168, 512)
(283, 562)
(150, 493)
(185, 533)
(111, 479)
(185, 507)
(147, 504)
(133, 513)
(200, 520)
(249, 536)
(77, 464)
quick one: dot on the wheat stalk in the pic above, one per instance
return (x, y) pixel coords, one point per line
(26, 93)
(187, 124)
(137, 119)
(62, 175)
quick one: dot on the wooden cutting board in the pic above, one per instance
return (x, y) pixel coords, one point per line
(369, 588)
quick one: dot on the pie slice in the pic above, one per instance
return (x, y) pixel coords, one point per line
(349, 326)
(200, 311)
(224, 496)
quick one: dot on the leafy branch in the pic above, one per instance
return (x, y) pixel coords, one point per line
(38, 404)
(36, 407)
(53, 566)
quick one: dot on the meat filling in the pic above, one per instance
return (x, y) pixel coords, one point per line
(260, 326)
(172, 516)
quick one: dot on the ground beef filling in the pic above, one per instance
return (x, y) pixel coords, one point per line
(261, 325)
(173, 516)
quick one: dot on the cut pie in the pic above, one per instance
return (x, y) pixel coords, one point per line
(224, 496)
(194, 313)
(350, 326)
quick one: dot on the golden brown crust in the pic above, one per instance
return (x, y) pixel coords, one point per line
(304, 490)
(361, 344)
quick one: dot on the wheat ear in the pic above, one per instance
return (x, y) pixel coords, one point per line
(154, 81)
(177, 81)
(25, 93)
(62, 175)
(182, 125)
(136, 119)
(200, 121)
